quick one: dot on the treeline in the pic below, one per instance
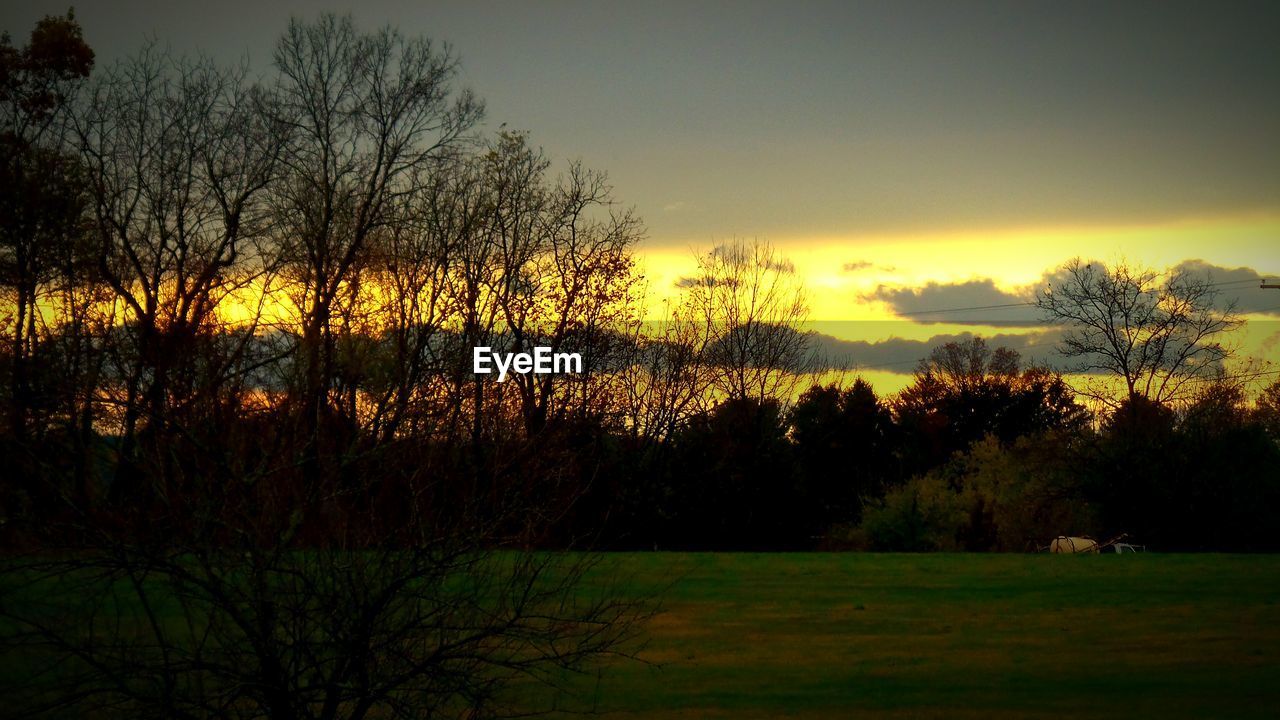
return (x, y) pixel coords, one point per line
(256, 300)
(976, 454)
(242, 311)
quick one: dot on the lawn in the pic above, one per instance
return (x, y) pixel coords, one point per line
(952, 636)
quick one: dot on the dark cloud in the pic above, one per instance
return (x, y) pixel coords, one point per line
(690, 281)
(899, 355)
(745, 255)
(947, 302)
(736, 259)
(784, 266)
(859, 265)
(1236, 285)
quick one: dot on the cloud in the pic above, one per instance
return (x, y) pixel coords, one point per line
(731, 264)
(746, 255)
(690, 281)
(954, 303)
(784, 266)
(898, 355)
(1238, 285)
(677, 206)
(859, 265)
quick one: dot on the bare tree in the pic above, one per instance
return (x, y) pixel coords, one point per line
(178, 154)
(371, 114)
(968, 364)
(291, 524)
(1158, 333)
(416, 388)
(574, 293)
(748, 297)
(425, 620)
(535, 262)
(664, 378)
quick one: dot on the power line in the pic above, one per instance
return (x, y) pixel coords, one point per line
(1238, 376)
(918, 360)
(963, 309)
(1003, 306)
(1232, 282)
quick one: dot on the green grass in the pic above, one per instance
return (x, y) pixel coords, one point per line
(943, 636)
(952, 636)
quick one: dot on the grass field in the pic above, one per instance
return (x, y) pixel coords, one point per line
(953, 636)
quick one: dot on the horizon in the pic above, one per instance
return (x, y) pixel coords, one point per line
(902, 156)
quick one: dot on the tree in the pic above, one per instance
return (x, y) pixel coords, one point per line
(1158, 333)
(178, 155)
(733, 479)
(965, 391)
(1153, 472)
(284, 520)
(373, 115)
(924, 514)
(566, 278)
(1267, 410)
(1010, 497)
(970, 363)
(845, 442)
(747, 297)
(37, 81)
(1220, 406)
(42, 186)
(409, 613)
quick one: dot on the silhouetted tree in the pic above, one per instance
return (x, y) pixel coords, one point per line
(965, 391)
(178, 155)
(747, 298)
(372, 116)
(732, 480)
(285, 514)
(1267, 410)
(845, 444)
(1158, 334)
(43, 191)
(1199, 479)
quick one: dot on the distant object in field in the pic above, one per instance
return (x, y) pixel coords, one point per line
(1074, 545)
(1063, 544)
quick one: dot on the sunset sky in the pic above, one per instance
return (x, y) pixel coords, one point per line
(905, 156)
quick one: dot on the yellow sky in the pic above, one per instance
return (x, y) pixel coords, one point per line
(1012, 257)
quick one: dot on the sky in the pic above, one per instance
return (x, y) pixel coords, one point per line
(902, 154)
